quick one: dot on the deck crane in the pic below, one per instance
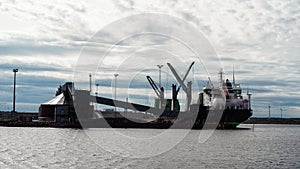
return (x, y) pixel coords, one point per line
(186, 88)
(159, 91)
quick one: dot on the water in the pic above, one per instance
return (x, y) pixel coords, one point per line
(268, 146)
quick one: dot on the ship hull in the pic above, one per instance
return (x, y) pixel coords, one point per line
(232, 118)
(229, 119)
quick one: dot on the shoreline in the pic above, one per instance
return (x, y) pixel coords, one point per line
(253, 120)
(259, 120)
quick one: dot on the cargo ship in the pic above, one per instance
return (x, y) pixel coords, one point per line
(221, 106)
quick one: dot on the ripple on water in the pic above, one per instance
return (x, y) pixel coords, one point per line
(269, 146)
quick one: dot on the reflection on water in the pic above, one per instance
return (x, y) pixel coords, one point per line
(268, 146)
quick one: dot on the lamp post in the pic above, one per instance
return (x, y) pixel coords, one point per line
(14, 95)
(281, 112)
(159, 67)
(269, 112)
(97, 86)
(249, 99)
(90, 76)
(116, 75)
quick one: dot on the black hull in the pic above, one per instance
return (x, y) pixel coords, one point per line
(230, 119)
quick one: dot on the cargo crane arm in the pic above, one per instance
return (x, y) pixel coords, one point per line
(186, 74)
(159, 92)
(188, 71)
(155, 88)
(187, 89)
(181, 82)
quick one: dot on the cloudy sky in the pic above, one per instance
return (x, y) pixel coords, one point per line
(45, 39)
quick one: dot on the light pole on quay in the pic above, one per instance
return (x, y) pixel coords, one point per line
(116, 75)
(97, 92)
(14, 95)
(269, 112)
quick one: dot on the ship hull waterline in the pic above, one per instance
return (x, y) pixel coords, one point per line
(229, 120)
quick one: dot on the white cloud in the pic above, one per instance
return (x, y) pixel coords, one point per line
(261, 38)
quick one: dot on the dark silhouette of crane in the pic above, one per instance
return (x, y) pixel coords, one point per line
(159, 91)
(186, 88)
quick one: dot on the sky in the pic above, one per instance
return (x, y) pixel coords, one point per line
(45, 40)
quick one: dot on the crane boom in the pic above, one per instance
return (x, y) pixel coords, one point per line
(155, 88)
(186, 74)
(181, 83)
(188, 71)
(187, 89)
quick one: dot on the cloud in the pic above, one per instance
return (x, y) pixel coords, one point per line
(32, 49)
(260, 38)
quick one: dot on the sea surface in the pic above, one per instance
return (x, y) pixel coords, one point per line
(267, 146)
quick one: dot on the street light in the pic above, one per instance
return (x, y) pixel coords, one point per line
(269, 112)
(160, 66)
(97, 86)
(90, 76)
(116, 75)
(14, 95)
(96, 93)
(281, 112)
